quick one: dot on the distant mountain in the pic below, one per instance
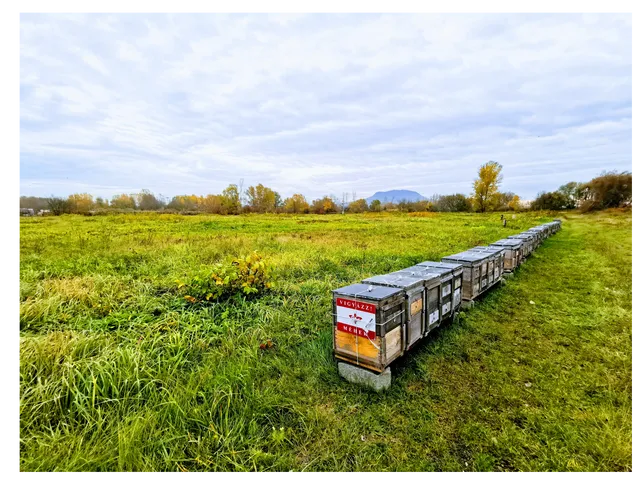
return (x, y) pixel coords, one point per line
(396, 196)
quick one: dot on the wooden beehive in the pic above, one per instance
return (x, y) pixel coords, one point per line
(495, 267)
(368, 325)
(456, 282)
(529, 239)
(539, 233)
(513, 252)
(414, 302)
(439, 288)
(432, 289)
(474, 272)
(543, 230)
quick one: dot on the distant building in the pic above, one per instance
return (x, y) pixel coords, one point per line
(27, 212)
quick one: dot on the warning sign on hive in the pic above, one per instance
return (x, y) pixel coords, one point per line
(357, 318)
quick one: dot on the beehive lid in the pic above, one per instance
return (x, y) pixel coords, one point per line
(427, 275)
(524, 235)
(470, 256)
(452, 267)
(370, 292)
(509, 242)
(488, 248)
(395, 279)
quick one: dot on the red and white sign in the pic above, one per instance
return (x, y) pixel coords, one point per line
(357, 318)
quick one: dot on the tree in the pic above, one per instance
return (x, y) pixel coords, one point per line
(279, 201)
(549, 201)
(485, 187)
(213, 204)
(573, 191)
(296, 204)
(101, 202)
(457, 202)
(417, 206)
(147, 201)
(37, 203)
(514, 204)
(187, 203)
(609, 190)
(358, 206)
(324, 205)
(261, 199)
(123, 201)
(80, 203)
(231, 199)
(502, 200)
(58, 205)
(375, 206)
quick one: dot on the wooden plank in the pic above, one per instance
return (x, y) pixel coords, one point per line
(363, 348)
(393, 341)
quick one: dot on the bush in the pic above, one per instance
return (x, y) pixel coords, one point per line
(245, 276)
(609, 190)
(550, 201)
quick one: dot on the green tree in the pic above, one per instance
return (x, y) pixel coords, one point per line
(231, 199)
(58, 205)
(549, 201)
(573, 191)
(485, 187)
(279, 201)
(375, 206)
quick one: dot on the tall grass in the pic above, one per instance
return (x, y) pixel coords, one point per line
(119, 372)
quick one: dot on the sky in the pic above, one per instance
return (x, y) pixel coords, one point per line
(320, 103)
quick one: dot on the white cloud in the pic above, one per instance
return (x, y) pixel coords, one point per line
(322, 103)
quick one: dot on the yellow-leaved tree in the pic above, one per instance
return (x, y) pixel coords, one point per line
(485, 187)
(80, 203)
(296, 204)
(261, 199)
(514, 204)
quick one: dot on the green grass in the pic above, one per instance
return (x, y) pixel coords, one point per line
(118, 372)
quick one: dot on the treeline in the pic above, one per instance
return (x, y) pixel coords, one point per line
(609, 190)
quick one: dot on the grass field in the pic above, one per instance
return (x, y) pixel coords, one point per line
(119, 372)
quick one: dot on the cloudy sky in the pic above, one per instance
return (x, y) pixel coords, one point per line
(320, 103)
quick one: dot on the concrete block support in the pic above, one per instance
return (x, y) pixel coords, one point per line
(362, 376)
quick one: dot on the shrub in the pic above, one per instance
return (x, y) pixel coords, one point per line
(246, 276)
(550, 201)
